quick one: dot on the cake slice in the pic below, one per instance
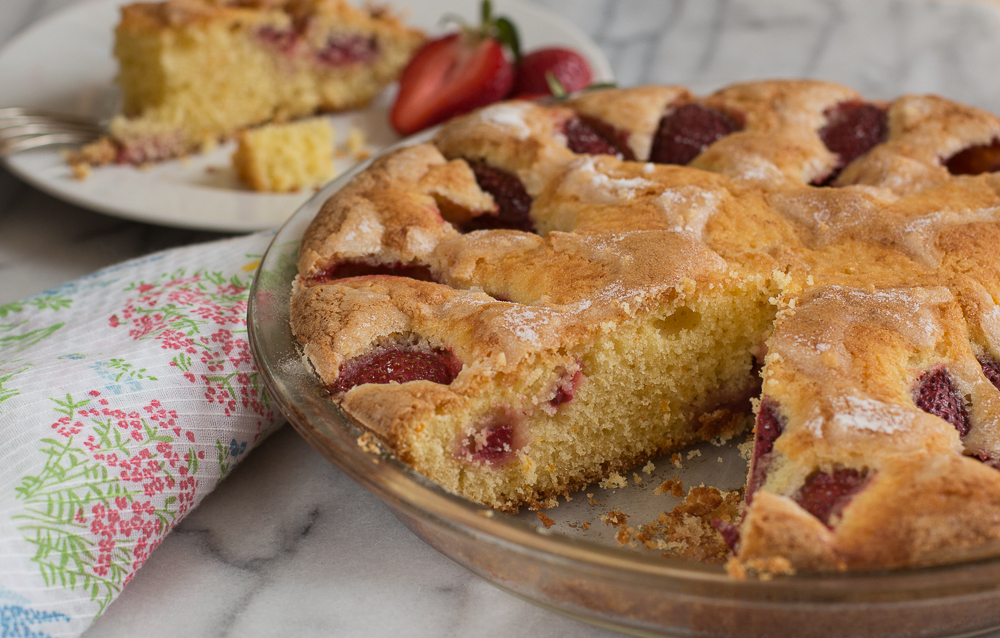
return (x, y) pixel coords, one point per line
(193, 72)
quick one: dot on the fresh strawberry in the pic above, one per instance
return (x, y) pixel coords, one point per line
(455, 74)
(537, 70)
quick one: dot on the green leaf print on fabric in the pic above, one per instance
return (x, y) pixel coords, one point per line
(41, 302)
(111, 487)
(6, 389)
(14, 343)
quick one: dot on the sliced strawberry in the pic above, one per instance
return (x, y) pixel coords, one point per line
(457, 73)
(566, 67)
(450, 76)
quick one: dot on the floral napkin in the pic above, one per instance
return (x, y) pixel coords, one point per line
(125, 397)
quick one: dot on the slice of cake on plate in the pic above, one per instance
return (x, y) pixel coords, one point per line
(193, 72)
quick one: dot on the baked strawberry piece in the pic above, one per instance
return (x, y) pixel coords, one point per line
(687, 131)
(398, 364)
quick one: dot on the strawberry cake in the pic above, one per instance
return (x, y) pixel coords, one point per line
(193, 72)
(546, 294)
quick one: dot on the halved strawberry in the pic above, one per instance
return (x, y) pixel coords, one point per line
(455, 74)
(566, 67)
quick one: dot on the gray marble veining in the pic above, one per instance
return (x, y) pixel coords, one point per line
(288, 544)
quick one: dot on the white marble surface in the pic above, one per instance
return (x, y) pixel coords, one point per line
(288, 544)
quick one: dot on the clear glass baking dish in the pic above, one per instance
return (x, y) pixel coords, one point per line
(578, 569)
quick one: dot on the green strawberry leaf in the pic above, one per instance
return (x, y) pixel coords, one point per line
(507, 35)
(601, 85)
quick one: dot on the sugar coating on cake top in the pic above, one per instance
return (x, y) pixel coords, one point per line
(285, 157)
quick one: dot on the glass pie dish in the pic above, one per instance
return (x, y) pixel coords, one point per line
(569, 560)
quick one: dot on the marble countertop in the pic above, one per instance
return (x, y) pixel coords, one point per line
(288, 544)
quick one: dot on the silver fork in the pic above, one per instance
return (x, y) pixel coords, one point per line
(21, 129)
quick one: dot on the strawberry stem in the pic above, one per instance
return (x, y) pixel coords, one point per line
(500, 29)
(555, 86)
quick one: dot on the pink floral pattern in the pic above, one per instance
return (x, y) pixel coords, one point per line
(138, 433)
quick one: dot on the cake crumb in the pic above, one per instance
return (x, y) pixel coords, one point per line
(590, 495)
(720, 459)
(617, 518)
(722, 439)
(81, 171)
(693, 453)
(546, 520)
(764, 568)
(614, 480)
(367, 443)
(355, 144)
(745, 449)
(648, 468)
(735, 569)
(636, 478)
(673, 487)
(676, 461)
(687, 531)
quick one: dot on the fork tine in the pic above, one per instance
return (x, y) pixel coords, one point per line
(22, 144)
(6, 122)
(16, 113)
(8, 131)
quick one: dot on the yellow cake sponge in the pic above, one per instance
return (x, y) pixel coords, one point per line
(285, 157)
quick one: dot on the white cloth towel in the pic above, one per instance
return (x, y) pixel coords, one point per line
(125, 397)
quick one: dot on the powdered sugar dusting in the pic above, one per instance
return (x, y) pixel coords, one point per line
(588, 182)
(813, 341)
(509, 115)
(420, 241)
(522, 322)
(689, 207)
(918, 236)
(862, 413)
(361, 234)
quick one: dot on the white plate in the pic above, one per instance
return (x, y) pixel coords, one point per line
(64, 64)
